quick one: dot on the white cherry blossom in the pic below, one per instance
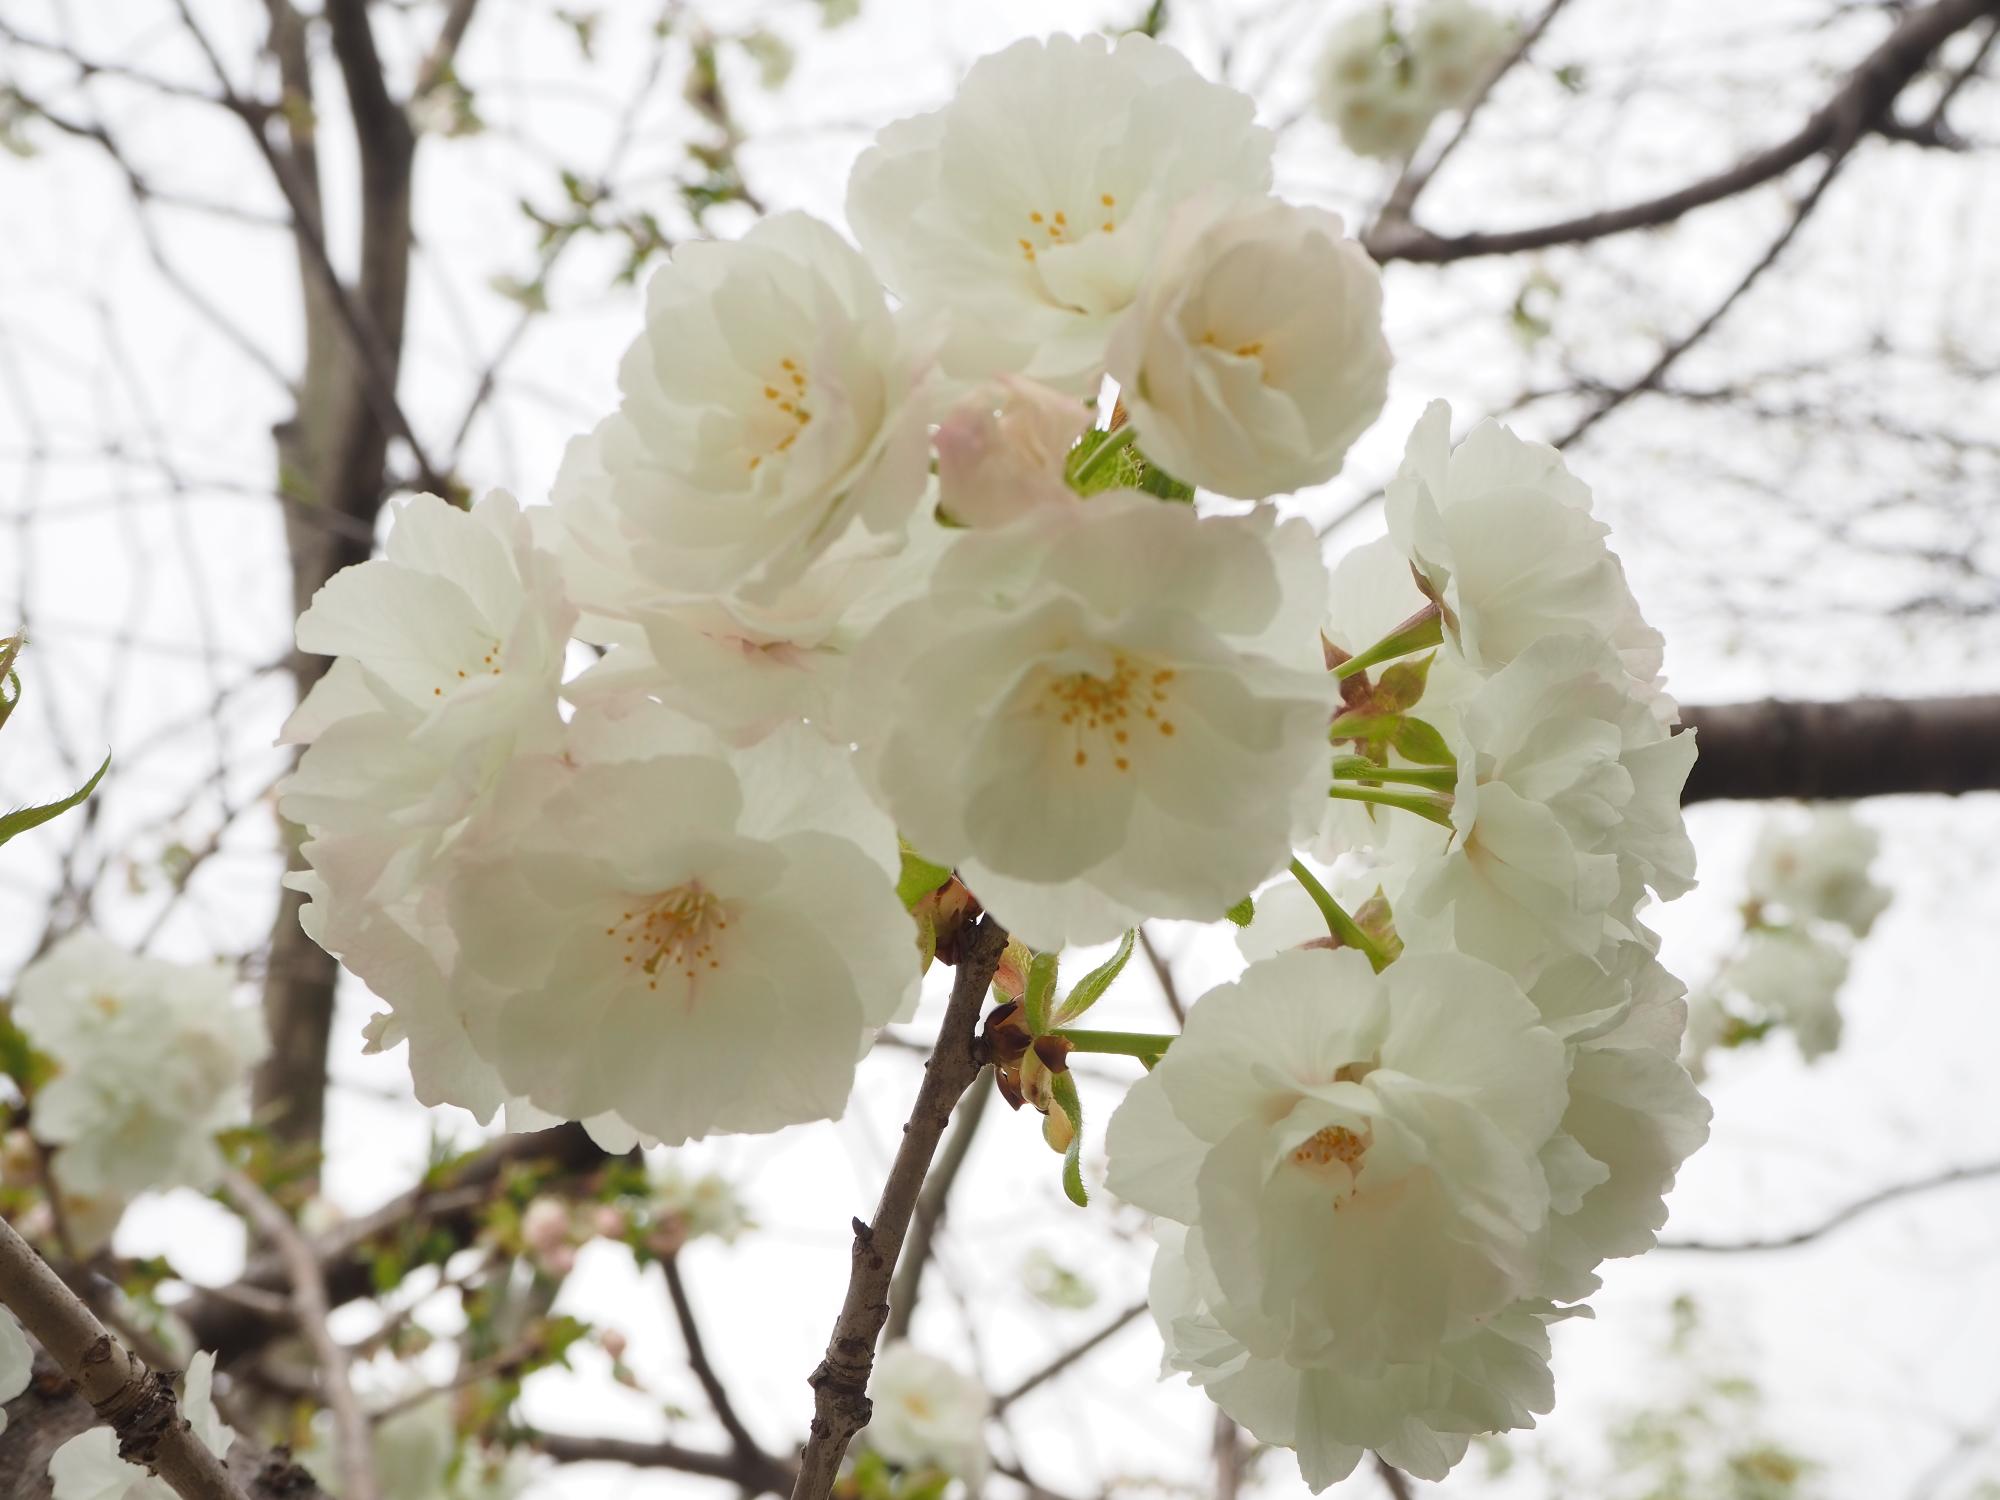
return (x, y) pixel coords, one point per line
(1360, 1151)
(1818, 868)
(927, 1413)
(1503, 534)
(1253, 354)
(1025, 213)
(1108, 712)
(1567, 806)
(629, 943)
(1419, 1415)
(1454, 45)
(1795, 976)
(772, 405)
(150, 1058)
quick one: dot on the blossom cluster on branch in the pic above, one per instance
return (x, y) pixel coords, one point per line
(898, 592)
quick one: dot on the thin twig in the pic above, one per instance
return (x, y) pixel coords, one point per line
(1065, 1359)
(135, 1403)
(1395, 1479)
(1844, 1216)
(354, 1448)
(1163, 971)
(745, 1445)
(1866, 95)
(840, 1403)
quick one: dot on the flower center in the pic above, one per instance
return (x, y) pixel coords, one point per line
(489, 666)
(1336, 1143)
(677, 929)
(785, 393)
(1101, 711)
(1054, 228)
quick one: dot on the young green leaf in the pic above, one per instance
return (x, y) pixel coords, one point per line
(918, 877)
(1243, 913)
(1041, 988)
(21, 820)
(1090, 989)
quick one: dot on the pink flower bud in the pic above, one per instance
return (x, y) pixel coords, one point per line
(545, 1227)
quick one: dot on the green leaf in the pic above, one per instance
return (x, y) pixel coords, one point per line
(1090, 989)
(1418, 741)
(23, 819)
(1243, 913)
(918, 877)
(1040, 990)
(1063, 1088)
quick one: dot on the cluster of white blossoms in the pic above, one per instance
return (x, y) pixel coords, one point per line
(1387, 71)
(883, 583)
(149, 1063)
(1811, 898)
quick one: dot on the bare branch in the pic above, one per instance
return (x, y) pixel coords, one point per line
(353, 1448)
(1861, 102)
(1393, 1478)
(1880, 1199)
(1164, 972)
(438, 64)
(135, 1403)
(905, 1289)
(840, 1406)
(1065, 1359)
(767, 1477)
(746, 1446)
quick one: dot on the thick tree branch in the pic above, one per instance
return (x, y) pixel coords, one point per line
(1862, 101)
(840, 1405)
(1865, 747)
(136, 1403)
(1880, 1199)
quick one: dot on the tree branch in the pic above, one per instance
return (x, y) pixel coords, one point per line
(241, 1318)
(354, 1450)
(1864, 97)
(765, 1476)
(931, 1203)
(746, 1447)
(840, 1406)
(1065, 1359)
(1864, 747)
(1842, 1217)
(135, 1403)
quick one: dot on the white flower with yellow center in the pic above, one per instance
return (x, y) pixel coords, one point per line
(635, 937)
(150, 1058)
(771, 405)
(1361, 1152)
(927, 1414)
(1024, 214)
(1106, 713)
(1420, 1416)
(1253, 355)
(1567, 808)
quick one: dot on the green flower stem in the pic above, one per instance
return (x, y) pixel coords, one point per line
(1437, 811)
(1338, 922)
(1147, 1046)
(1360, 768)
(1109, 449)
(1421, 631)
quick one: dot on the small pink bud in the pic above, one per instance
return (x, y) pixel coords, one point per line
(613, 1342)
(545, 1226)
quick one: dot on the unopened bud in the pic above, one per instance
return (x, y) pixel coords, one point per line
(613, 1342)
(610, 1222)
(545, 1226)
